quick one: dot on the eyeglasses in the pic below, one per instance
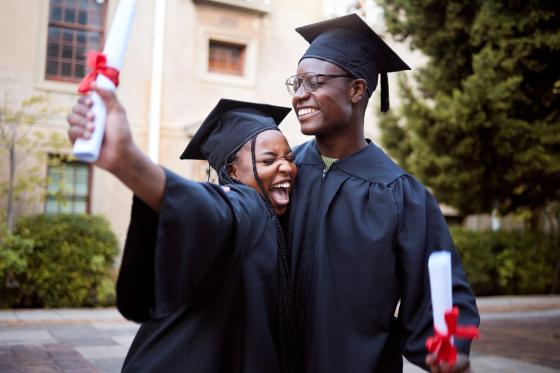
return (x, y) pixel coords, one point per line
(310, 81)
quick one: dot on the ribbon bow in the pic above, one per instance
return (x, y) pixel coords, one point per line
(98, 63)
(441, 344)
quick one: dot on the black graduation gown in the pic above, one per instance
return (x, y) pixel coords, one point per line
(201, 278)
(360, 235)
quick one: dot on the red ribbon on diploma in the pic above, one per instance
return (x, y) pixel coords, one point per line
(98, 63)
(440, 343)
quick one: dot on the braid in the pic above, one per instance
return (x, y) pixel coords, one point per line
(289, 352)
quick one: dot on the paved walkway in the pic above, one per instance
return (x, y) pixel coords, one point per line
(519, 334)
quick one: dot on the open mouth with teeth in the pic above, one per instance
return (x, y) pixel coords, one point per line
(279, 193)
(306, 111)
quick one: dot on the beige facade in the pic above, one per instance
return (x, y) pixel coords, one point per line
(188, 90)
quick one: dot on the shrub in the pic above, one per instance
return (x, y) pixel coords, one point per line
(499, 263)
(14, 251)
(70, 263)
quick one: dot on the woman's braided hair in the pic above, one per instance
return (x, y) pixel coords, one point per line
(287, 340)
(289, 352)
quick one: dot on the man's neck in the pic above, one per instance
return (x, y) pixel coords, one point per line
(339, 147)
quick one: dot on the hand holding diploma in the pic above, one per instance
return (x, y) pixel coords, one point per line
(118, 153)
(105, 72)
(443, 357)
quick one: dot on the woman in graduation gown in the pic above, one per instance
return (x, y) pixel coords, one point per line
(361, 228)
(205, 271)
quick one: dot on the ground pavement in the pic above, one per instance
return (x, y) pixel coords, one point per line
(519, 334)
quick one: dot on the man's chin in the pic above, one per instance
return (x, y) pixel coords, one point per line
(308, 129)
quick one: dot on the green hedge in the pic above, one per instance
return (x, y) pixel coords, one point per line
(60, 261)
(500, 263)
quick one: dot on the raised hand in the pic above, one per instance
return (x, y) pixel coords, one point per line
(118, 154)
(117, 140)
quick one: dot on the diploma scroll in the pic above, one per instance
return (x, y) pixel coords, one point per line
(444, 313)
(439, 267)
(115, 49)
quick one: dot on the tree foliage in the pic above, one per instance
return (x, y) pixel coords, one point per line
(481, 125)
(20, 142)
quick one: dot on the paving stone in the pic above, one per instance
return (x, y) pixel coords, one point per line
(128, 326)
(124, 340)
(7, 315)
(25, 337)
(70, 330)
(503, 365)
(10, 369)
(532, 340)
(520, 315)
(31, 354)
(90, 341)
(37, 315)
(108, 365)
(98, 352)
(91, 314)
(41, 368)
(519, 334)
(411, 368)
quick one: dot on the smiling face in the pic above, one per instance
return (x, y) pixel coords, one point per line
(275, 168)
(328, 109)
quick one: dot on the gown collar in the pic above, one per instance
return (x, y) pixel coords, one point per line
(369, 163)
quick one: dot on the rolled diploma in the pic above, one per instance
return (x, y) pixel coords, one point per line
(115, 49)
(439, 267)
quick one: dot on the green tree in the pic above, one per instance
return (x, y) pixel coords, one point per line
(481, 125)
(19, 141)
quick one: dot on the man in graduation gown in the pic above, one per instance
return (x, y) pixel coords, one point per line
(361, 228)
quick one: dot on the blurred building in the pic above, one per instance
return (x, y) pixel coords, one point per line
(182, 57)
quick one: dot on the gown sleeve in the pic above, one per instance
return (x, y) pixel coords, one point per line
(422, 230)
(176, 257)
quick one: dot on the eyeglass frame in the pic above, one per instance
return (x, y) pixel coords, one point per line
(292, 90)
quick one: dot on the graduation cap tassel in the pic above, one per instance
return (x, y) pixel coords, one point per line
(384, 93)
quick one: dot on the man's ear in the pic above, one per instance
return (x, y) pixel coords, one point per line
(358, 90)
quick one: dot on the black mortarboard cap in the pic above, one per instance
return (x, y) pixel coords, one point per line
(230, 125)
(352, 45)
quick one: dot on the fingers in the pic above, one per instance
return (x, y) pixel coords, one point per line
(85, 100)
(462, 365)
(80, 120)
(432, 363)
(108, 96)
(79, 127)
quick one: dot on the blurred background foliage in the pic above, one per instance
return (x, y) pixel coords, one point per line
(58, 261)
(504, 263)
(481, 124)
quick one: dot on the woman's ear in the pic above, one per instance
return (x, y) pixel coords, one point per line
(358, 91)
(232, 171)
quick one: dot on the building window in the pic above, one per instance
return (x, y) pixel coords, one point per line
(75, 26)
(226, 58)
(68, 186)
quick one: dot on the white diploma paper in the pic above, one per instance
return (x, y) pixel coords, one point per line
(439, 267)
(115, 49)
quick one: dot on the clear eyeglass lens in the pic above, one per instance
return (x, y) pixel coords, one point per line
(296, 83)
(310, 82)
